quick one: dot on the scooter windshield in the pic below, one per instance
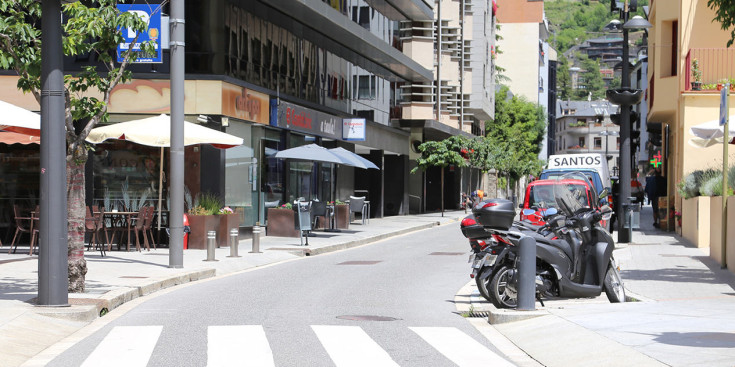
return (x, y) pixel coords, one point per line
(570, 195)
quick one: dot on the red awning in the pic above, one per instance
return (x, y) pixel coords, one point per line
(7, 137)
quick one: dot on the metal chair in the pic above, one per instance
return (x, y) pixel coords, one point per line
(22, 225)
(358, 205)
(94, 223)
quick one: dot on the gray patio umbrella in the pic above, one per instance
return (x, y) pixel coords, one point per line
(353, 159)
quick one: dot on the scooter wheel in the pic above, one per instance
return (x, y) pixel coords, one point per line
(483, 282)
(614, 285)
(501, 290)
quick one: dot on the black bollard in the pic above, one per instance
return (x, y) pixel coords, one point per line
(527, 274)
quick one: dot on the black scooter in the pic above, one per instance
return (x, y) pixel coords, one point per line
(574, 254)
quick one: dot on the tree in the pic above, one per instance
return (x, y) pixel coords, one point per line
(514, 137)
(441, 154)
(591, 79)
(725, 14)
(92, 30)
(563, 79)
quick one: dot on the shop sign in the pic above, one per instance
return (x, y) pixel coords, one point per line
(245, 104)
(301, 119)
(151, 14)
(353, 129)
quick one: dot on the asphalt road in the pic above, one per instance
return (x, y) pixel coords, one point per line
(315, 311)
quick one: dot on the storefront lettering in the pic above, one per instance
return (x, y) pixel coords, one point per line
(328, 126)
(249, 104)
(299, 119)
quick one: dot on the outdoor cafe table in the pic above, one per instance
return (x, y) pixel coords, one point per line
(122, 220)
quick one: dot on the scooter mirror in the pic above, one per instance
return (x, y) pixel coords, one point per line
(550, 212)
(528, 212)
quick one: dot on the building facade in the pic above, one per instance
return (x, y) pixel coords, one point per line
(264, 71)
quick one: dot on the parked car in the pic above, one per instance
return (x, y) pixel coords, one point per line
(540, 196)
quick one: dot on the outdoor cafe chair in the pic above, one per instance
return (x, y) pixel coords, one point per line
(318, 213)
(358, 205)
(35, 227)
(94, 223)
(22, 225)
(139, 226)
(148, 223)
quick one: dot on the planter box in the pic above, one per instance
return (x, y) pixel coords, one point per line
(200, 225)
(227, 222)
(715, 229)
(695, 214)
(342, 216)
(280, 222)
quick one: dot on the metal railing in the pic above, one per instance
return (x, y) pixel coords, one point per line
(716, 64)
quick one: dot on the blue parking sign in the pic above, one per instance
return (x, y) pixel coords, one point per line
(151, 14)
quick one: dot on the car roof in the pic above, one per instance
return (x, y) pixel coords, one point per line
(564, 181)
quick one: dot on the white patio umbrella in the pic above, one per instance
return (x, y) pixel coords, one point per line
(311, 152)
(19, 120)
(156, 132)
(353, 159)
(710, 133)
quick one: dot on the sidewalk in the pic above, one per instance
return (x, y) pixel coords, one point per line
(684, 314)
(119, 277)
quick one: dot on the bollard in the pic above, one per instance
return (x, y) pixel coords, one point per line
(211, 243)
(527, 274)
(234, 242)
(256, 238)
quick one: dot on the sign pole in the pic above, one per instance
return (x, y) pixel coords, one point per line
(725, 144)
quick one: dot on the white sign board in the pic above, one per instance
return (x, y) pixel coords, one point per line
(353, 129)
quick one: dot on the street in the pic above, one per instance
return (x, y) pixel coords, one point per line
(386, 304)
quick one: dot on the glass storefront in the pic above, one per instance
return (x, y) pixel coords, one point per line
(126, 176)
(241, 175)
(19, 183)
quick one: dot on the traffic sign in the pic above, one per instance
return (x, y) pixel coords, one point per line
(151, 14)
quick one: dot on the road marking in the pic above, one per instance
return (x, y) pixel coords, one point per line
(125, 346)
(238, 345)
(351, 346)
(459, 347)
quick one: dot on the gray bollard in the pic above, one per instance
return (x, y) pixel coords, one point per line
(256, 238)
(234, 242)
(211, 243)
(527, 274)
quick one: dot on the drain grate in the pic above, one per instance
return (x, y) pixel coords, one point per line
(367, 318)
(483, 314)
(448, 253)
(359, 262)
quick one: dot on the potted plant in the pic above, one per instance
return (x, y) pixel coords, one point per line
(228, 220)
(280, 221)
(202, 219)
(696, 75)
(342, 214)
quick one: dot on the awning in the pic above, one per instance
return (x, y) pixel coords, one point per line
(7, 137)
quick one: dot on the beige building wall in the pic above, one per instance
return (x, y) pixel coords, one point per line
(520, 57)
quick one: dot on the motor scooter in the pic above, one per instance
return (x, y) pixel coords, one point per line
(574, 253)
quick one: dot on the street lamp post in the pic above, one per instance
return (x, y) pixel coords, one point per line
(625, 97)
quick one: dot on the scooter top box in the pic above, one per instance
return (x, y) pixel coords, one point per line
(473, 229)
(495, 213)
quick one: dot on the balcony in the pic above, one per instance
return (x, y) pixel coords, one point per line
(717, 66)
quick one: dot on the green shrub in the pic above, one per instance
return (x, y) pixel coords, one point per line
(210, 202)
(712, 187)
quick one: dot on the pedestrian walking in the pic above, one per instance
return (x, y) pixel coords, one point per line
(653, 191)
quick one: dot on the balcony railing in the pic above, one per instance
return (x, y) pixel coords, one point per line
(717, 65)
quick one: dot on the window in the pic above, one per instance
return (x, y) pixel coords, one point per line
(598, 143)
(364, 86)
(581, 142)
(361, 16)
(617, 143)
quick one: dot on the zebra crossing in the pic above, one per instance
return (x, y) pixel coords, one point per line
(247, 345)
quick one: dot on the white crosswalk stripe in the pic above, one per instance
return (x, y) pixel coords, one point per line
(238, 345)
(247, 345)
(351, 346)
(125, 346)
(459, 347)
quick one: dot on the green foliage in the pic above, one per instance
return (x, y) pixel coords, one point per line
(199, 210)
(725, 15)
(592, 79)
(442, 153)
(210, 202)
(563, 79)
(706, 182)
(696, 71)
(514, 137)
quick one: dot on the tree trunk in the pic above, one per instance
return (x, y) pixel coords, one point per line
(442, 191)
(76, 206)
